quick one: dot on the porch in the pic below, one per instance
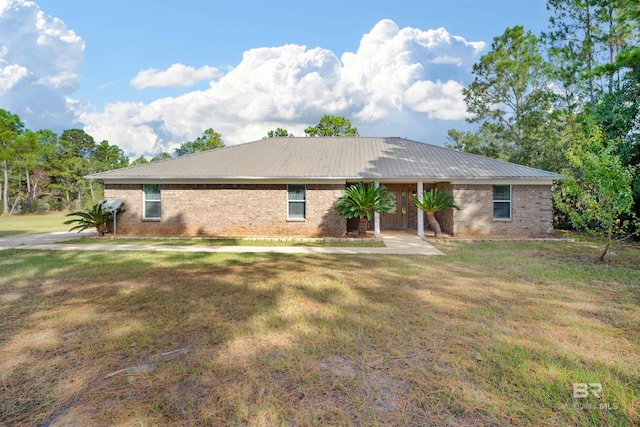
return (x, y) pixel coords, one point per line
(405, 215)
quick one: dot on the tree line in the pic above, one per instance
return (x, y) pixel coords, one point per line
(567, 101)
(44, 171)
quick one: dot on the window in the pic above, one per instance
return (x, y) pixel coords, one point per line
(394, 204)
(502, 202)
(296, 201)
(152, 208)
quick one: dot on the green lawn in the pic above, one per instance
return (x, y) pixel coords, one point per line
(224, 242)
(492, 334)
(11, 225)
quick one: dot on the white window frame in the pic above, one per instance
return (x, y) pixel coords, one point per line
(303, 202)
(510, 201)
(145, 200)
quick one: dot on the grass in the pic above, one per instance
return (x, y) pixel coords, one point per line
(11, 225)
(492, 334)
(225, 242)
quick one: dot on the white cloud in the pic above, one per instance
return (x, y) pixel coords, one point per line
(39, 61)
(10, 75)
(396, 81)
(397, 76)
(177, 75)
(439, 100)
(391, 60)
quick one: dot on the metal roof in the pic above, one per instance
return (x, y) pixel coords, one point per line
(355, 158)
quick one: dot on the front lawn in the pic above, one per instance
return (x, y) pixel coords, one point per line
(492, 334)
(11, 225)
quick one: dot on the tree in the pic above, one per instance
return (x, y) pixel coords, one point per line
(42, 182)
(10, 130)
(208, 141)
(28, 156)
(509, 94)
(104, 157)
(360, 201)
(140, 161)
(584, 35)
(70, 162)
(278, 133)
(572, 40)
(163, 155)
(431, 202)
(332, 126)
(484, 142)
(107, 157)
(597, 193)
(618, 110)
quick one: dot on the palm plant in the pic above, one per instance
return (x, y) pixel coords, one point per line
(433, 201)
(95, 216)
(360, 201)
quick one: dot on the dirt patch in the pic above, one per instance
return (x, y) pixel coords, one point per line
(386, 393)
(337, 365)
(383, 392)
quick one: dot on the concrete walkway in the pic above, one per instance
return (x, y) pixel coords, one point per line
(41, 238)
(396, 243)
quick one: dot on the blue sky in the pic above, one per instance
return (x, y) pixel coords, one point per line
(148, 75)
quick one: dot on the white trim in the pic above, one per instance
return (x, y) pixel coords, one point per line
(303, 202)
(503, 182)
(223, 181)
(510, 201)
(144, 203)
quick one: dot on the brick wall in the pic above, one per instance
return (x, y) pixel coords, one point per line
(531, 212)
(229, 210)
(261, 210)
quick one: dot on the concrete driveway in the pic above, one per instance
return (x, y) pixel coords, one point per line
(21, 240)
(397, 243)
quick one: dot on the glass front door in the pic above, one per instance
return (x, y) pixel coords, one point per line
(397, 217)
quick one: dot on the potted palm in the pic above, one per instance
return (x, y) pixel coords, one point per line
(360, 201)
(433, 201)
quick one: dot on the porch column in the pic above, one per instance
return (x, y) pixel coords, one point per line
(420, 213)
(376, 219)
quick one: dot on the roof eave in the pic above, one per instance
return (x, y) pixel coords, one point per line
(301, 179)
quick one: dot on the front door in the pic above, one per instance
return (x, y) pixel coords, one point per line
(397, 217)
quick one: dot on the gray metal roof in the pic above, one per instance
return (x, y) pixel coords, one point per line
(328, 158)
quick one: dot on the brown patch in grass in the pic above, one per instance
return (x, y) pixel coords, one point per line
(493, 334)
